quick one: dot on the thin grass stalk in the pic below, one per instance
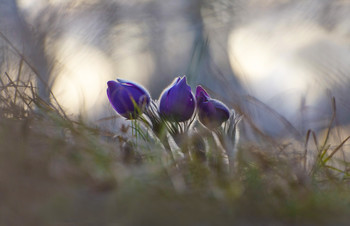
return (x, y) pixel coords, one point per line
(336, 150)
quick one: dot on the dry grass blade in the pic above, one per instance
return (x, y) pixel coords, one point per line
(316, 142)
(24, 59)
(329, 127)
(281, 118)
(306, 148)
(336, 149)
(316, 164)
(18, 77)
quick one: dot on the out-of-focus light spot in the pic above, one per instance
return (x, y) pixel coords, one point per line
(136, 67)
(132, 59)
(267, 63)
(29, 3)
(81, 85)
(32, 6)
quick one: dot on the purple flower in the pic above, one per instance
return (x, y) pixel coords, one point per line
(211, 112)
(177, 102)
(127, 98)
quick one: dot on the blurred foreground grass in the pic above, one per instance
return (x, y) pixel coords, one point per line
(59, 171)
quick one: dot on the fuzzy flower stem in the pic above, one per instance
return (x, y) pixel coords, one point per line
(158, 125)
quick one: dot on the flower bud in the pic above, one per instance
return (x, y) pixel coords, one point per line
(127, 98)
(211, 112)
(177, 102)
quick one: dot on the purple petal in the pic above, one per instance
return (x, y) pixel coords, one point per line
(177, 101)
(211, 112)
(201, 94)
(123, 95)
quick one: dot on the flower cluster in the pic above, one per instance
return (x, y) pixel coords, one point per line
(172, 115)
(176, 103)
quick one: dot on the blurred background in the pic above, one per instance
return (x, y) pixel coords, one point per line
(277, 62)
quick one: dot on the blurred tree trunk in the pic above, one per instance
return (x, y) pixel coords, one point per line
(28, 41)
(173, 23)
(205, 60)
